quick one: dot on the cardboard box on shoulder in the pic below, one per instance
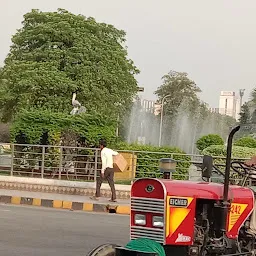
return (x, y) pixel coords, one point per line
(120, 164)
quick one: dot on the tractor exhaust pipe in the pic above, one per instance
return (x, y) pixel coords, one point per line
(225, 204)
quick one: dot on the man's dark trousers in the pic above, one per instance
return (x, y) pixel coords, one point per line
(109, 176)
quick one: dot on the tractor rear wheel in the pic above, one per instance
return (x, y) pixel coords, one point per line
(103, 250)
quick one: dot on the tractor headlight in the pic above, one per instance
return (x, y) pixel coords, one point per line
(140, 219)
(158, 221)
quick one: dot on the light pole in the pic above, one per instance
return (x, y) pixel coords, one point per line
(161, 121)
(241, 93)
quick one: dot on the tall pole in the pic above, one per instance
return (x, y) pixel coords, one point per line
(241, 93)
(161, 121)
(225, 203)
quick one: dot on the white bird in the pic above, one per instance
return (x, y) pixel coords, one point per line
(74, 111)
(75, 102)
(82, 109)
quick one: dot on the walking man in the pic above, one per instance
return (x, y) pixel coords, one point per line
(107, 171)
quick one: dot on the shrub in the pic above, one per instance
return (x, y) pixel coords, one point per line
(148, 159)
(220, 151)
(249, 142)
(237, 151)
(209, 140)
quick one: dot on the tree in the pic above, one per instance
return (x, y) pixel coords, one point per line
(244, 114)
(181, 90)
(4, 133)
(186, 117)
(253, 95)
(57, 53)
(253, 117)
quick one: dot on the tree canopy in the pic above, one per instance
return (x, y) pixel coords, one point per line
(245, 116)
(179, 88)
(57, 53)
(186, 117)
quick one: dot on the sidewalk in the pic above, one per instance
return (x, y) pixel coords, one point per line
(62, 201)
(66, 187)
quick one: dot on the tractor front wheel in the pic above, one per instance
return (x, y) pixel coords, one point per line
(103, 250)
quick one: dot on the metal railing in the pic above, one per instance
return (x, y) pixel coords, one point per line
(84, 164)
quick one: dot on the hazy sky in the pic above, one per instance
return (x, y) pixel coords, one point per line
(213, 41)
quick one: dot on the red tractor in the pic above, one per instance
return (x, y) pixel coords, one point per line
(190, 218)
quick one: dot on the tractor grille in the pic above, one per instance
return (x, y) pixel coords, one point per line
(150, 233)
(147, 205)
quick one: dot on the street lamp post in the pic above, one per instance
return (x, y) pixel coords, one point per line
(161, 121)
(241, 93)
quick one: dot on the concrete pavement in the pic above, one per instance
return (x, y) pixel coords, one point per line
(66, 187)
(61, 201)
(34, 231)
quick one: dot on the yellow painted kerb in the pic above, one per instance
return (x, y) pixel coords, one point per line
(87, 207)
(67, 205)
(15, 200)
(57, 203)
(36, 202)
(123, 209)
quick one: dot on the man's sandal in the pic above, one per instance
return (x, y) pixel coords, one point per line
(113, 201)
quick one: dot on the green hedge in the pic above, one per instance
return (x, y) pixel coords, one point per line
(237, 151)
(249, 142)
(148, 159)
(32, 125)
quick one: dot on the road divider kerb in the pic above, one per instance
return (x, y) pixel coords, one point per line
(123, 209)
(69, 205)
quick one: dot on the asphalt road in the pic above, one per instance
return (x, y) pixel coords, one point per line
(30, 231)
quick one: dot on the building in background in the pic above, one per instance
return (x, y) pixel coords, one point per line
(214, 110)
(151, 106)
(238, 107)
(230, 104)
(148, 105)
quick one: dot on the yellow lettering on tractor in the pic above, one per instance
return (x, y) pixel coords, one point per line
(236, 211)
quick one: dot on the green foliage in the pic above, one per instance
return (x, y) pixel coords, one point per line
(237, 151)
(148, 159)
(4, 133)
(182, 104)
(253, 95)
(249, 142)
(244, 114)
(57, 53)
(253, 117)
(32, 125)
(219, 153)
(209, 140)
(180, 88)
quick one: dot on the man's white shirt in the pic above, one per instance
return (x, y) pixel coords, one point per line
(107, 158)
